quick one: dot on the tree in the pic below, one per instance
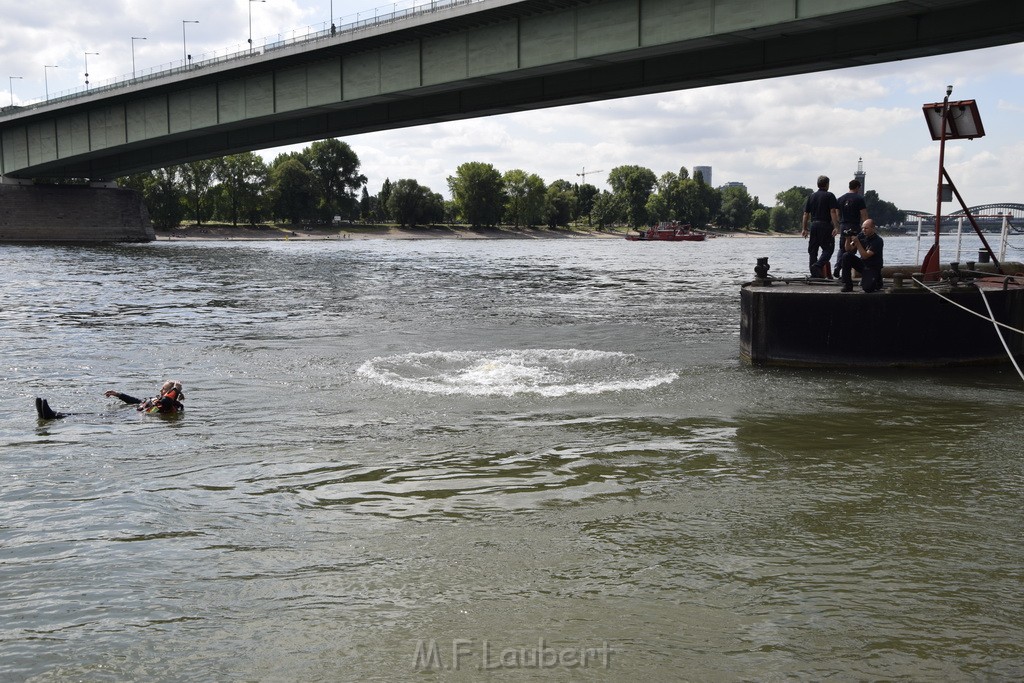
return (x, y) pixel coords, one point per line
(293, 196)
(382, 214)
(760, 220)
(585, 194)
(136, 181)
(558, 202)
(882, 212)
(524, 197)
(608, 209)
(196, 178)
(163, 198)
(412, 204)
(365, 206)
(697, 202)
(788, 211)
(435, 208)
(634, 185)
(243, 177)
(335, 169)
(477, 192)
(658, 208)
(737, 207)
(664, 203)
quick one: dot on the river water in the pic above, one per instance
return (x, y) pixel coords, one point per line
(511, 459)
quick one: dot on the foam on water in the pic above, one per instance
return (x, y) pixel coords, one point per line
(508, 372)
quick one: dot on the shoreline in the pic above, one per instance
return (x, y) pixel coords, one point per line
(390, 232)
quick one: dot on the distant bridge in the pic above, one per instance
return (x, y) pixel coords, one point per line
(989, 218)
(469, 58)
(988, 211)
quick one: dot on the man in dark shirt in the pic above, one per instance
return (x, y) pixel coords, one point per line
(821, 212)
(852, 213)
(863, 253)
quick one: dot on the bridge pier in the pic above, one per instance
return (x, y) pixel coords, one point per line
(71, 213)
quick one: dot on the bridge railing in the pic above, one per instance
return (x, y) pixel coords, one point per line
(300, 37)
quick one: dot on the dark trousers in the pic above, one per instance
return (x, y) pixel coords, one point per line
(870, 278)
(820, 238)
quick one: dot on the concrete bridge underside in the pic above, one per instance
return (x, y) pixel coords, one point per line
(492, 57)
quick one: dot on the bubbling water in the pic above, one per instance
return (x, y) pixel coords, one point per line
(508, 372)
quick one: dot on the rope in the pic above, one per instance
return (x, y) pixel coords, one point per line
(948, 300)
(999, 332)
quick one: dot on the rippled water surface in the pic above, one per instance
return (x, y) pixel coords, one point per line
(513, 459)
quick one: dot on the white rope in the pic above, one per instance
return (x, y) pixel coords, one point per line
(948, 300)
(999, 332)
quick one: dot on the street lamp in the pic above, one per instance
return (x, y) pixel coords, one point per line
(250, 22)
(46, 81)
(87, 68)
(184, 49)
(134, 38)
(10, 81)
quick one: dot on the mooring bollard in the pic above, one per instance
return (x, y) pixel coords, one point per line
(761, 271)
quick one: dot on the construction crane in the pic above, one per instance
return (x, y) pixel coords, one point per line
(585, 173)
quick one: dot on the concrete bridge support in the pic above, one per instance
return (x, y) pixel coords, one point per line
(72, 213)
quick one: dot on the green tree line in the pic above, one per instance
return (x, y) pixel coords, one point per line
(323, 181)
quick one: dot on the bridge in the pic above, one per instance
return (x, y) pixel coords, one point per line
(458, 59)
(989, 217)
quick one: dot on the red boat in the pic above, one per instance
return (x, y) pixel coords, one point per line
(667, 232)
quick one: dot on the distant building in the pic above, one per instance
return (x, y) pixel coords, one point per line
(705, 171)
(734, 183)
(860, 175)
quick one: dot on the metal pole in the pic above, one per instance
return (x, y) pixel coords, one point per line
(46, 81)
(917, 257)
(134, 38)
(10, 81)
(87, 68)
(250, 22)
(1005, 236)
(184, 48)
(959, 236)
(942, 154)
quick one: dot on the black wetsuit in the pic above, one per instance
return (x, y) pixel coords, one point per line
(164, 404)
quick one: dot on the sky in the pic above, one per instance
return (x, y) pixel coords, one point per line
(769, 135)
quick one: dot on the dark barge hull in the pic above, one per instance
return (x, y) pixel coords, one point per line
(809, 324)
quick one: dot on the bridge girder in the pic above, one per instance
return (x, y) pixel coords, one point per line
(94, 138)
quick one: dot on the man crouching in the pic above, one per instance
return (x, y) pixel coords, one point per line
(863, 254)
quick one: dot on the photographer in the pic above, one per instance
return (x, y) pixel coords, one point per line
(863, 254)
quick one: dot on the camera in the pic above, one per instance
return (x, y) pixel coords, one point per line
(851, 232)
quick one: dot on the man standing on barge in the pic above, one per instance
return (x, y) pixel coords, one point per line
(853, 211)
(821, 212)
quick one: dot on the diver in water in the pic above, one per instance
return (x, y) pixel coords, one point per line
(168, 401)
